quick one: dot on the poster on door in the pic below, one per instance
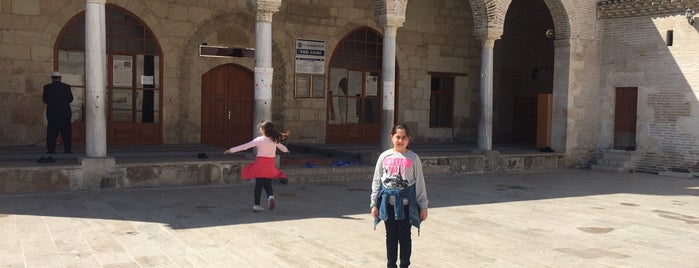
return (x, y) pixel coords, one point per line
(121, 71)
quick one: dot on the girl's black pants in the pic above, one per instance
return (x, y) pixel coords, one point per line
(398, 233)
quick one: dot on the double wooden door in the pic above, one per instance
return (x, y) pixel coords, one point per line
(227, 106)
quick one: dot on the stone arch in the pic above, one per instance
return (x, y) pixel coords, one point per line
(129, 39)
(191, 66)
(560, 17)
(346, 128)
(341, 31)
(489, 17)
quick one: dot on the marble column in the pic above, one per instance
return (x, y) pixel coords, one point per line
(95, 79)
(485, 124)
(389, 84)
(263, 59)
(391, 16)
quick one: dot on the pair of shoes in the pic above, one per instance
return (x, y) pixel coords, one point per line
(202, 156)
(257, 208)
(49, 152)
(270, 202)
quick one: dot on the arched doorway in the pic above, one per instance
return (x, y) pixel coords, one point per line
(354, 103)
(134, 86)
(523, 77)
(227, 105)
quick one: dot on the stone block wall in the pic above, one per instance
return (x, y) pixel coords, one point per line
(636, 53)
(423, 46)
(32, 27)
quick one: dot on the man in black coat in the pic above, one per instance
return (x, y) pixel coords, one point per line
(57, 96)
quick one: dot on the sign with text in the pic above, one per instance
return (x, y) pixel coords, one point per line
(310, 56)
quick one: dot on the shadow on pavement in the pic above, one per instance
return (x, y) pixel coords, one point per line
(212, 206)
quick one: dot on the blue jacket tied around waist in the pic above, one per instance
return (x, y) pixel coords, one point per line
(413, 210)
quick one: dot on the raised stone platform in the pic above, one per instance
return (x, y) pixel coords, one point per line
(182, 165)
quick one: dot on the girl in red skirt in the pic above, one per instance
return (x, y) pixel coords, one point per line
(263, 169)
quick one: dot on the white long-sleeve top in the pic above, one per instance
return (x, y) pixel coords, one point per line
(396, 170)
(266, 147)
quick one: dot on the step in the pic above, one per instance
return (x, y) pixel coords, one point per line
(609, 168)
(616, 163)
(326, 173)
(619, 155)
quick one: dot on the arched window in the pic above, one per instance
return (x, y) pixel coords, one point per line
(354, 104)
(133, 80)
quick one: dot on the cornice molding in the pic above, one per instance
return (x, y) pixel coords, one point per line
(610, 9)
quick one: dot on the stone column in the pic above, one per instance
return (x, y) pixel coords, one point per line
(95, 78)
(391, 16)
(389, 84)
(485, 124)
(263, 59)
(561, 99)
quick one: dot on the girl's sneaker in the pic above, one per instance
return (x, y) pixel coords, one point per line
(257, 208)
(270, 201)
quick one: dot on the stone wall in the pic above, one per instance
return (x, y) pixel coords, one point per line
(636, 53)
(32, 27)
(423, 46)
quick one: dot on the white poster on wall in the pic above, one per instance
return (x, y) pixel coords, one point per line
(263, 83)
(389, 96)
(310, 56)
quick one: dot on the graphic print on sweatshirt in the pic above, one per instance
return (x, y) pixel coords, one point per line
(394, 172)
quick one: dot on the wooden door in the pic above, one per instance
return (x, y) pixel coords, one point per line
(227, 106)
(543, 120)
(625, 118)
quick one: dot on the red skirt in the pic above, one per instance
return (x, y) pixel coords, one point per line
(263, 167)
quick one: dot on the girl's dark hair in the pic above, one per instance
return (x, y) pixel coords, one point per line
(400, 126)
(271, 132)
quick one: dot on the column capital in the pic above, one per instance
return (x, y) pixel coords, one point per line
(264, 9)
(488, 43)
(103, 2)
(488, 34)
(391, 21)
(390, 31)
(390, 12)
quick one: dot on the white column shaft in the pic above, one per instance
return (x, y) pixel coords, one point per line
(485, 124)
(95, 85)
(389, 85)
(263, 73)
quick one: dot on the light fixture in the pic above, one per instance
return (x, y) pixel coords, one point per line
(689, 14)
(550, 34)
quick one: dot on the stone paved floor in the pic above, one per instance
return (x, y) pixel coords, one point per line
(572, 218)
